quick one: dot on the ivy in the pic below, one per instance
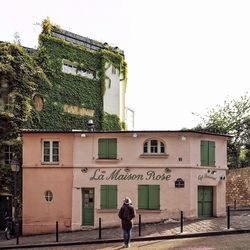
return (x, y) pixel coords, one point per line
(20, 79)
(73, 89)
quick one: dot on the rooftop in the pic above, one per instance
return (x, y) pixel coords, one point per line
(81, 40)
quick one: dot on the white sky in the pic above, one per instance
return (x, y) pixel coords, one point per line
(183, 56)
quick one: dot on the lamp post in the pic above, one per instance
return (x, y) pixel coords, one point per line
(15, 167)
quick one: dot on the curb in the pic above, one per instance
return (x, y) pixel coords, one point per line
(136, 239)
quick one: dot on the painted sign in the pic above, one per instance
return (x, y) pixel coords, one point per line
(118, 174)
(208, 176)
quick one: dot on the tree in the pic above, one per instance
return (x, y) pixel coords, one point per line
(233, 118)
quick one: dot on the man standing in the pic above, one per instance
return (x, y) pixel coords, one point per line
(126, 214)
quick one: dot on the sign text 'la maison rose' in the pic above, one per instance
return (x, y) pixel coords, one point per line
(117, 174)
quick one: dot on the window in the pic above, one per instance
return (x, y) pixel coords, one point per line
(48, 196)
(107, 148)
(108, 196)
(8, 154)
(50, 151)
(154, 147)
(73, 68)
(149, 197)
(207, 153)
(113, 70)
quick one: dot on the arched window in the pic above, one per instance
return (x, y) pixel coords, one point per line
(154, 147)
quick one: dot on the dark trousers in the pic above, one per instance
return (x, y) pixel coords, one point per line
(127, 235)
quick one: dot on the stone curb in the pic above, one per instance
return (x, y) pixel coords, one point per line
(136, 239)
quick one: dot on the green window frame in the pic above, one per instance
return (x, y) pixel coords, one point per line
(107, 148)
(149, 197)
(207, 153)
(108, 196)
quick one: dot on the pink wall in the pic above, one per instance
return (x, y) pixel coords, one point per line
(78, 151)
(39, 216)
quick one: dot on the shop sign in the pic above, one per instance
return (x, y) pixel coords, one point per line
(117, 174)
(206, 176)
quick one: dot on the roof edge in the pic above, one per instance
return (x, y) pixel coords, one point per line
(25, 131)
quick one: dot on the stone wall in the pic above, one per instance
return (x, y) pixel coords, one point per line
(238, 187)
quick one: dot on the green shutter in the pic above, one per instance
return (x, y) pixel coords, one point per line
(102, 148)
(104, 196)
(112, 148)
(154, 197)
(211, 153)
(112, 196)
(204, 153)
(143, 196)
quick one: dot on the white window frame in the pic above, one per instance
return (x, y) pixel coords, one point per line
(48, 196)
(159, 146)
(51, 161)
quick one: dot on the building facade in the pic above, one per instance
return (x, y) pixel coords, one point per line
(76, 178)
(67, 81)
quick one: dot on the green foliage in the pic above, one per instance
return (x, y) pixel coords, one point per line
(111, 123)
(20, 79)
(233, 118)
(70, 89)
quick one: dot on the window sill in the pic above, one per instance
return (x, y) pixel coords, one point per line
(50, 163)
(107, 210)
(148, 211)
(154, 156)
(108, 160)
(212, 166)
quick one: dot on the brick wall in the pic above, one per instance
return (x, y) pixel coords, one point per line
(238, 187)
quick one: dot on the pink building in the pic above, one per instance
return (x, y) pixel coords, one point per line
(77, 177)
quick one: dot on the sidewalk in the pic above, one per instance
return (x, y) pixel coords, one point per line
(238, 221)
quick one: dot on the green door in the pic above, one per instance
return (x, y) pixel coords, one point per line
(205, 201)
(88, 206)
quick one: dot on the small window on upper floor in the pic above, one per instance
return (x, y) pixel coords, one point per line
(113, 70)
(154, 147)
(50, 151)
(8, 154)
(73, 68)
(107, 148)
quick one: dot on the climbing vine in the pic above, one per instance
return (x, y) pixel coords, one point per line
(20, 79)
(71, 89)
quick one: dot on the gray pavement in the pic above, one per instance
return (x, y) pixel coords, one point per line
(239, 220)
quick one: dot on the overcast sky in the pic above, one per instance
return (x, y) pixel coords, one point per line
(183, 56)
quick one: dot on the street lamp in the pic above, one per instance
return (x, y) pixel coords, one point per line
(15, 167)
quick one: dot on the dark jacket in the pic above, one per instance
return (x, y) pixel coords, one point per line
(126, 214)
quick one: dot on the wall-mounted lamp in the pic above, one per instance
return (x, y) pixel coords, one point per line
(83, 135)
(91, 125)
(135, 135)
(223, 178)
(127, 170)
(167, 170)
(183, 138)
(84, 170)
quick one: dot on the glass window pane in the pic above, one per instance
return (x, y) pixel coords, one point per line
(55, 158)
(46, 158)
(48, 196)
(162, 148)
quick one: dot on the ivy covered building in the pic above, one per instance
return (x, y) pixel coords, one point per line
(67, 81)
